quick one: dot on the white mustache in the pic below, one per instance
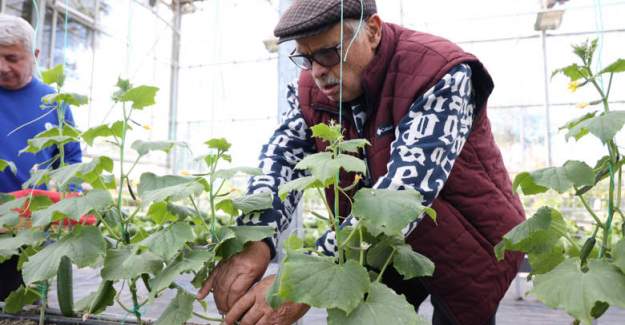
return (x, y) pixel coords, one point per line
(327, 81)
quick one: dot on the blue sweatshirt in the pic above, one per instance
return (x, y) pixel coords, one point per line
(22, 109)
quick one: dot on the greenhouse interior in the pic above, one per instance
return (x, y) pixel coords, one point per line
(312, 162)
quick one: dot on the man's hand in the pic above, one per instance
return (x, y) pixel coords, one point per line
(234, 276)
(252, 309)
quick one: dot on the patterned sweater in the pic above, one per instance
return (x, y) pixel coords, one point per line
(427, 142)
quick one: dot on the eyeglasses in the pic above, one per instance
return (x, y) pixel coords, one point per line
(327, 57)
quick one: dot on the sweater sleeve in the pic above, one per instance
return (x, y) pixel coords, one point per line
(288, 145)
(427, 142)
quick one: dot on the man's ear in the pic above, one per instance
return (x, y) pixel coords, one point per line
(374, 30)
(36, 53)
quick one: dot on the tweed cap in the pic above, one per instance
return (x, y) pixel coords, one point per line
(311, 17)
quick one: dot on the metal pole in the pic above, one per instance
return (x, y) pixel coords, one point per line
(173, 87)
(401, 13)
(287, 71)
(547, 102)
(2, 4)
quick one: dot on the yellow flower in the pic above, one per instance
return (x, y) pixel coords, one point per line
(573, 86)
(582, 105)
(147, 127)
(185, 172)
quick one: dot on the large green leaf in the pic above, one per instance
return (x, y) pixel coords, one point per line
(127, 263)
(104, 131)
(536, 235)
(54, 75)
(7, 164)
(167, 242)
(73, 208)
(253, 202)
(10, 244)
(144, 147)
(8, 216)
(158, 188)
(52, 137)
(229, 173)
(382, 306)
(615, 67)
(84, 246)
(544, 262)
(320, 282)
(353, 145)
(527, 184)
(72, 99)
(563, 178)
(577, 292)
(605, 126)
(299, 184)
(187, 262)
(619, 255)
(141, 96)
(411, 264)
(96, 302)
(329, 133)
(324, 167)
(573, 131)
(178, 311)
(220, 144)
(573, 71)
(233, 239)
(160, 213)
(88, 172)
(20, 298)
(387, 211)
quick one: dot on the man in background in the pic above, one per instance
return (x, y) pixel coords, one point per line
(21, 118)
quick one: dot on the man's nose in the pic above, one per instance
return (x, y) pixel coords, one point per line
(319, 71)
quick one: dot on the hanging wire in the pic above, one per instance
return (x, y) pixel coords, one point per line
(65, 24)
(36, 31)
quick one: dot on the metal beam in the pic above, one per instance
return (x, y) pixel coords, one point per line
(174, 83)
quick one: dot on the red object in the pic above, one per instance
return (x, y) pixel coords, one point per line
(55, 197)
(476, 206)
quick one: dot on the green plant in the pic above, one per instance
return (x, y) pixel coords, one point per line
(583, 276)
(349, 285)
(160, 234)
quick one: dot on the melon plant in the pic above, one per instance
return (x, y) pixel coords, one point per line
(580, 272)
(349, 285)
(171, 224)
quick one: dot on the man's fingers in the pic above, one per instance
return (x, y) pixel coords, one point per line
(206, 289)
(240, 308)
(252, 316)
(238, 289)
(222, 288)
(265, 320)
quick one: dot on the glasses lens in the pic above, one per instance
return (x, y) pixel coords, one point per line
(327, 57)
(301, 61)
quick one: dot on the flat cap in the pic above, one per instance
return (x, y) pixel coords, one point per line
(311, 17)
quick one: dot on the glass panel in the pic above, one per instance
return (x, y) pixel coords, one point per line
(86, 7)
(44, 55)
(72, 47)
(22, 8)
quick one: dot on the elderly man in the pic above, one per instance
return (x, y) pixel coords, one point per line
(421, 102)
(21, 118)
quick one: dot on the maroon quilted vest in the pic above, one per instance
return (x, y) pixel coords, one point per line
(476, 206)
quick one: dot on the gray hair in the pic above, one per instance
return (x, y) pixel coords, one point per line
(352, 25)
(15, 30)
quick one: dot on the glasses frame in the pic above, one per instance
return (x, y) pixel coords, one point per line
(314, 57)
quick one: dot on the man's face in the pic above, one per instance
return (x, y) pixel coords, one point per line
(16, 66)
(359, 56)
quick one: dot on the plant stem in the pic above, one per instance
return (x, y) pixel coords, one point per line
(122, 175)
(199, 214)
(337, 220)
(388, 261)
(207, 318)
(44, 302)
(592, 213)
(135, 301)
(362, 251)
(330, 213)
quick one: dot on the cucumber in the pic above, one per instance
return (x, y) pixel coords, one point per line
(64, 287)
